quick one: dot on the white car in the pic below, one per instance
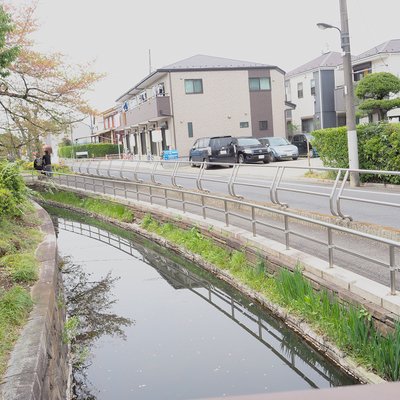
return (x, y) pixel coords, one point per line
(281, 148)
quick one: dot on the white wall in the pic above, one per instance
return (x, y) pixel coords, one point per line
(224, 103)
(305, 105)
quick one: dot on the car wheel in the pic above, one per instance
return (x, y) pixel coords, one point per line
(272, 157)
(295, 158)
(266, 160)
(240, 159)
(192, 164)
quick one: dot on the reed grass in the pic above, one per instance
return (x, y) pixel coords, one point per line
(95, 205)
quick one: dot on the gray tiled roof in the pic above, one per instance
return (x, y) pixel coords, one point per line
(331, 59)
(201, 61)
(196, 63)
(391, 46)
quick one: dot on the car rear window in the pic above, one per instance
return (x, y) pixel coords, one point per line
(221, 142)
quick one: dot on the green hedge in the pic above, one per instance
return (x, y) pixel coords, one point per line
(94, 150)
(378, 148)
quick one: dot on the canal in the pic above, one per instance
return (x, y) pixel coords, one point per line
(153, 326)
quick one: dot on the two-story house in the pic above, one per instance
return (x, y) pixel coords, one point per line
(317, 88)
(311, 88)
(202, 96)
(382, 58)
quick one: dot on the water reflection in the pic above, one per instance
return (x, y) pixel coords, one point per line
(305, 363)
(89, 302)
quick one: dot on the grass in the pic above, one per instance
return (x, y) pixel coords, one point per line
(98, 206)
(350, 328)
(330, 175)
(15, 305)
(19, 238)
(22, 267)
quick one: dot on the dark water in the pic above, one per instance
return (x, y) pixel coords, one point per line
(187, 335)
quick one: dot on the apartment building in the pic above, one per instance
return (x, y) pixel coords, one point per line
(202, 96)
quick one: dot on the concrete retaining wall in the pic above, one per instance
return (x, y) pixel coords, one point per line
(38, 367)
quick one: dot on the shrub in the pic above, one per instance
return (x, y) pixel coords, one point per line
(8, 204)
(378, 149)
(11, 179)
(93, 149)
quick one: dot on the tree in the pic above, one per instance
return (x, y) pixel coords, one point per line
(39, 93)
(374, 90)
(8, 53)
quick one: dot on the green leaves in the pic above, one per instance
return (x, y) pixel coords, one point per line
(375, 89)
(377, 86)
(378, 149)
(93, 149)
(7, 53)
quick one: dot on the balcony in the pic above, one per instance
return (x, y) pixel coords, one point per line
(154, 108)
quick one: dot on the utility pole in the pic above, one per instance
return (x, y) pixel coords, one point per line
(352, 143)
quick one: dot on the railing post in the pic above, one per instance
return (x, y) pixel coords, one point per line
(392, 271)
(203, 208)
(183, 202)
(333, 212)
(339, 196)
(330, 248)
(135, 176)
(226, 213)
(166, 198)
(253, 221)
(151, 194)
(287, 232)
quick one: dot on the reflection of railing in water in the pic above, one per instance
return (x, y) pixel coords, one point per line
(179, 277)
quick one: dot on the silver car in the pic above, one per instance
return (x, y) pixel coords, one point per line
(280, 147)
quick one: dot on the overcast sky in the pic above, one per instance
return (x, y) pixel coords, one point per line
(118, 34)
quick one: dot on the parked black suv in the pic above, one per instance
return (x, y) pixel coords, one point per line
(303, 142)
(228, 149)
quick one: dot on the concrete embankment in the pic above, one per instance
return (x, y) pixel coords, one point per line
(38, 367)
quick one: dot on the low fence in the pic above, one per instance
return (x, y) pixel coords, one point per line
(172, 170)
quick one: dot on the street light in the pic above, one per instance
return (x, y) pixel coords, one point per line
(348, 91)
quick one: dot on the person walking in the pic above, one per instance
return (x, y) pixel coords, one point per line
(47, 163)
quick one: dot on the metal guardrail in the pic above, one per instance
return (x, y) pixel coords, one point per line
(168, 195)
(171, 170)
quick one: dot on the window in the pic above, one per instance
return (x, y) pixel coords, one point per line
(263, 125)
(300, 90)
(361, 70)
(244, 124)
(312, 86)
(190, 129)
(257, 84)
(193, 86)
